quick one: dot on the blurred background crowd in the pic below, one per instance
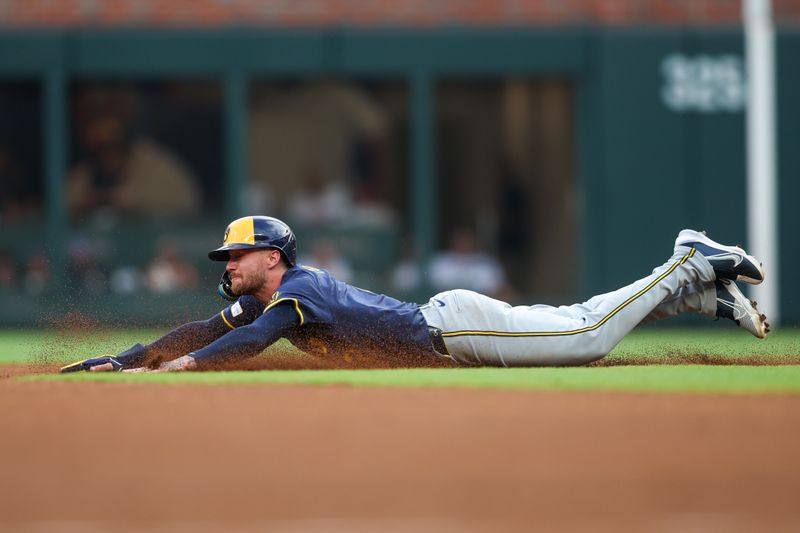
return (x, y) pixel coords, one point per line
(326, 156)
(539, 156)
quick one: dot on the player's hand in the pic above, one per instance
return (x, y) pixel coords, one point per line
(187, 362)
(104, 363)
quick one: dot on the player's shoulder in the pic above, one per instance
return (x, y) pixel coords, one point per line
(304, 272)
(309, 270)
(301, 277)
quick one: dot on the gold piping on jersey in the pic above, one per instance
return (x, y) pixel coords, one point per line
(222, 314)
(574, 331)
(296, 306)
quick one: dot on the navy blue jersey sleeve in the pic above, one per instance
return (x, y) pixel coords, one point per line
(251, 339)
(179, 341)
(242, 312)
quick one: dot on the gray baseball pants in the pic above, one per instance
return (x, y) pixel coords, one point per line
(478, 330)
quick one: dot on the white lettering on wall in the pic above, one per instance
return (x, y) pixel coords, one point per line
(704, 83)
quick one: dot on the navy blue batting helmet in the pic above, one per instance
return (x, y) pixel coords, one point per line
(257, 232)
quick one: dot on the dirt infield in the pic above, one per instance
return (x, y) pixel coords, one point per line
(108, 456)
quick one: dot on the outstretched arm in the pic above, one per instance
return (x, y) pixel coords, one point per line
(184, 339)
(246, 341)
(181, 340)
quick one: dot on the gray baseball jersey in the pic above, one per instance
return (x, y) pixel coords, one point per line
(478, 330)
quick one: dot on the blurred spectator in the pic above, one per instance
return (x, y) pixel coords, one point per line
(169, 272)
(463, 266)
(406, 276)
(8, 272)
(125, 280)
(121, 171)
(258, 198)
(83, 269)
(331, 137)
(37, 275)
(318, 201)
(325, 256)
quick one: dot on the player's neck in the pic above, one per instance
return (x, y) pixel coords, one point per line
(274, 278)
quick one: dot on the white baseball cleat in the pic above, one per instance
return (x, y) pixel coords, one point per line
(732, 304)
(729, 262)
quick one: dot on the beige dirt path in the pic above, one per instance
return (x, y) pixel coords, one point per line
(108, 456)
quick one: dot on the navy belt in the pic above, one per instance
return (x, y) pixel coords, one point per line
(437, 341)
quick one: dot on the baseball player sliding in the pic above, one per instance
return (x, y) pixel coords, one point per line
(275, 298)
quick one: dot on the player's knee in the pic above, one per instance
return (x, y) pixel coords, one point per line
(593, 348)
(583, 357)
(590, 357)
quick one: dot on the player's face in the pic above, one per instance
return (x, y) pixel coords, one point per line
(248, 270)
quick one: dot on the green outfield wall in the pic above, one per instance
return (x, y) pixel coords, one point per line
(659, 121)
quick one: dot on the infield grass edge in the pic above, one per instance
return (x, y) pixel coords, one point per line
(654, 378)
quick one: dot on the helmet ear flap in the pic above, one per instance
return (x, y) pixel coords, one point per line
(225, 288)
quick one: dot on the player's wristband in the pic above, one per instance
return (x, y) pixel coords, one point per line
(88, 364)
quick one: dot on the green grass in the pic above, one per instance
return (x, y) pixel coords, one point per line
(33, 346)
(666, 378)
(648, 344)
(655, 345)
(644, 361)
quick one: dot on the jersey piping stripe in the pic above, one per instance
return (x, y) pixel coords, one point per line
(296, 306)
(222, 314)
(574, 331)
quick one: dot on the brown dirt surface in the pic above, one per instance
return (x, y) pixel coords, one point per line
(124, 457)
